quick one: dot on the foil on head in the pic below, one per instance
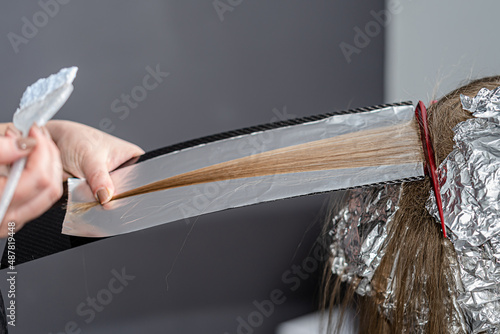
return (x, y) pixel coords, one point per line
(470, 191)
(358, 236)
(358, 233)
(486, 104)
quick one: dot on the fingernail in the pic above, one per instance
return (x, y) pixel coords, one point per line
(12, 131)
(26, 144)
(102, 195)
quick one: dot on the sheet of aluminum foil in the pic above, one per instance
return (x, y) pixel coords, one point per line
(358, 235)
(470, 190)
(358, 232)
(143, 211)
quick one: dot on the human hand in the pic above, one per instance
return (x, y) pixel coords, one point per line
(91, 154)
(40, 184)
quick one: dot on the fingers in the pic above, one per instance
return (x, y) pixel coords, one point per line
(134, 150)
(4, 170)
(67, 175)
(89, 153)
(29, 210)
(44, 162)
(118, 152)
(125, 155)
(96, 168)
(40, 185)
(13, 147)
(96, 172)
(96, 165)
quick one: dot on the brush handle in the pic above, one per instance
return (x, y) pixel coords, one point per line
(10, 187)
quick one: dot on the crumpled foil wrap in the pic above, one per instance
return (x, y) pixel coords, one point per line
(358, 234)
(359, 230)
(470, 190)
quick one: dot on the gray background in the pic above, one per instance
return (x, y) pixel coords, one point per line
(262, 59)
(435, 46)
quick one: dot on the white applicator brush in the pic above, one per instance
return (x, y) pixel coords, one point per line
(40, 102)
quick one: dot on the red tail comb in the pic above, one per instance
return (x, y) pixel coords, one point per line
(430, 162)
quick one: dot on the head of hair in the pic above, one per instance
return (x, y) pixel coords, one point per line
(420, 260)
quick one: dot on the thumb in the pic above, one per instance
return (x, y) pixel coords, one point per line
(97, 175)
(12, 149)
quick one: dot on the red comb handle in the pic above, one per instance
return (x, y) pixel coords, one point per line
(430, 162)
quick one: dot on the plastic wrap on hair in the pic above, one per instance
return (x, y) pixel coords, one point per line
(470, 191)
(359, 231)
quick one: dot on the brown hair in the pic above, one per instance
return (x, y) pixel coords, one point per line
(420, 259)
(380, 146)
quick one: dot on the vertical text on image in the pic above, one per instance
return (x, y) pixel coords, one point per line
(12, 273)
